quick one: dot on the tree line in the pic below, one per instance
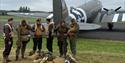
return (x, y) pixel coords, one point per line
(24, 9)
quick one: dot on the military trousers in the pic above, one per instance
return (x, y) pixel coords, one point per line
(72, 42)
(62, 46)
(49, 43)
(37, 43)
(21, 46)
(8, 45)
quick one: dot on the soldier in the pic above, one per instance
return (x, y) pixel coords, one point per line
(23, 31)
(37, 30)
(49, 34)
(8, 39)
(74, 27)
(62, 30)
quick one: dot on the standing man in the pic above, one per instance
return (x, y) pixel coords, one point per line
(8, 39)
(23, 32)
(49, 35)
(62, 30)
(74, 27)
(37, 30)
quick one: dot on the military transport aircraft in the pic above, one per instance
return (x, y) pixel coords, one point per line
(87, 15)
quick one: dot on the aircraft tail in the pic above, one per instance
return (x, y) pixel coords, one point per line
(60, 10)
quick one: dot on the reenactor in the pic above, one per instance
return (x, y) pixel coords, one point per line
(62, 30)
(8, 39)
(37, 30)
(49, 34)
(23, 33)
(72, 32)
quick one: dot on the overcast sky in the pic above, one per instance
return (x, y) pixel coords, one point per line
(46, 5)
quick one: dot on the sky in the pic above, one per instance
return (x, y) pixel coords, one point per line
(46, 5)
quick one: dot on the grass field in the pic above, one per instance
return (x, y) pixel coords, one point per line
(18, 19)
(88, 50)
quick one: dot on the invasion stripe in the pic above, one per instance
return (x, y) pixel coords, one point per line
(72, 16)
(123, 17)
(75, 14)
(115, 18)
(79, 10)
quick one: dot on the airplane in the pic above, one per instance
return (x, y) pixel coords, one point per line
(87, 15)
(84, 14)
(108, 17)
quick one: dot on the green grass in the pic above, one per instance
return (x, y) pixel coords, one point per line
(90, 45)
(90, 50)
(18, 19)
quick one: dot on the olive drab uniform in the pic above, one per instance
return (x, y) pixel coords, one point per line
(62, 39)
(8, 40)
(23, 33)
(74, 27)
(49, 34)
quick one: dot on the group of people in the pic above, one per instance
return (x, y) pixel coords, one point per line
(36, 31)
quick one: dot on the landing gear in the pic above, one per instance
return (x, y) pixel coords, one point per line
(110, 26)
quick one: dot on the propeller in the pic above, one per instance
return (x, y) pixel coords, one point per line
(106, 9)
(114, 10)
(118, 8)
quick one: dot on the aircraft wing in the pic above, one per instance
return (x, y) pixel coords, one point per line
(34, 15)
(88, 26)
(115, 17)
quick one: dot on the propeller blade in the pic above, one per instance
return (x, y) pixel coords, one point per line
(106, 9)
(118, 8)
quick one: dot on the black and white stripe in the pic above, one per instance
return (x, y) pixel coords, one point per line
(123, 17)
(119, 17)
(78, 13)
(115, 18)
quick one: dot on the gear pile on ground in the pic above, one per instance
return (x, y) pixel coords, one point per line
(50, 58)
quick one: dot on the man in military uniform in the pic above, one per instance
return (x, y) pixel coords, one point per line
(23, 32)
(62, 30)
(37, 30)
(49, 34)
(8, 39)
(72, 32)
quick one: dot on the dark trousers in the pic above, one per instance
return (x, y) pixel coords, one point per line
(8, 45)
(62, 46)
(22, 46)
(37, 42)
(49, 44)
